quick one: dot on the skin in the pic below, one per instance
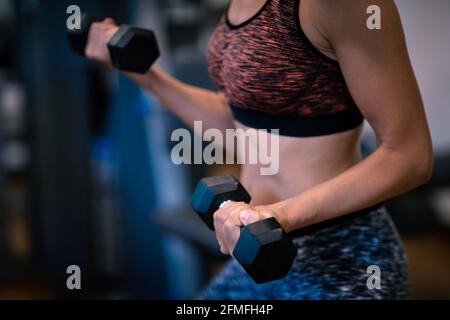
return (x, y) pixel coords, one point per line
(320, 177)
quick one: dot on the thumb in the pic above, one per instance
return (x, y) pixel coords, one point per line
(248, 217)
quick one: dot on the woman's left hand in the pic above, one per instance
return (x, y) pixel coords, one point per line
(229, 220)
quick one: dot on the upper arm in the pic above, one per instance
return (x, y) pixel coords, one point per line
(376, 68)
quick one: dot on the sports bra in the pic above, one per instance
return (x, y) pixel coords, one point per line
(274, 78)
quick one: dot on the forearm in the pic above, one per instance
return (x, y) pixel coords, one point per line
(187, 102)
(385, 174)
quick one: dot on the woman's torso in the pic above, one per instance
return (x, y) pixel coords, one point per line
(303, 163)
(297, 82)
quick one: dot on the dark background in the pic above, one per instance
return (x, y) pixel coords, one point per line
(85, 171)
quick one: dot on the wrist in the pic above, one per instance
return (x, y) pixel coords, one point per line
(147, 80)
(282, 213)
(297, 212)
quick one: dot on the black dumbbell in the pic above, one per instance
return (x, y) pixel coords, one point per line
(264, 249)
(131, 49)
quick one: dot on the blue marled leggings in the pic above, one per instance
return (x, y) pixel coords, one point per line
(331, 263)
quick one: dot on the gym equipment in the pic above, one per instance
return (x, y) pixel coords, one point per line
(264, 249)
(131, 49)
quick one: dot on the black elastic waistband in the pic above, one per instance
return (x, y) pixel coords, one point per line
(333, 222)
(296, 126)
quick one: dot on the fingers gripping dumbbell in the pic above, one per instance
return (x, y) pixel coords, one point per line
(130, 49)
(264, 249)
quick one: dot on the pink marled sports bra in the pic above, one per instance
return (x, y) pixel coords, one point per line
(274, 78)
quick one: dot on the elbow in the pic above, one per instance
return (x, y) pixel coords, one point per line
(422, 168)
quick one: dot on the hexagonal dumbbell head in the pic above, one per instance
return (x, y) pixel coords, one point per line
(78, 37)
(211, 192)
(133, 49)
(265, 251)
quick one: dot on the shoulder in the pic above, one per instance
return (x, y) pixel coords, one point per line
(337, 20)
(341, 27)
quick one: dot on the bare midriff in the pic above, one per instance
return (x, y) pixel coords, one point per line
(303, 163)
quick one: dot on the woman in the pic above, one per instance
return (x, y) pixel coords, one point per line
(313, 70)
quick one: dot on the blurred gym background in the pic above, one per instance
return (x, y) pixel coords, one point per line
(85, 172)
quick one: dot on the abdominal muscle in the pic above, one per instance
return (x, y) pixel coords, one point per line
(303, 163)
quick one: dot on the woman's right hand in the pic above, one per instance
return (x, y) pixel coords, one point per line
(99, 35)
